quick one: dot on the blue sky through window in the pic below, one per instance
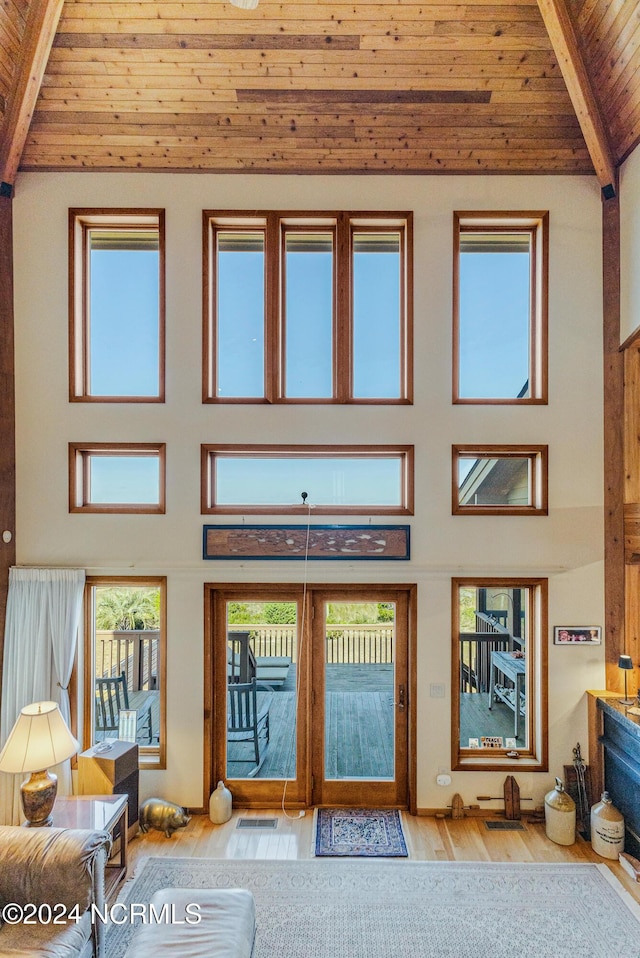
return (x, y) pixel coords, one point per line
(494, 324)
(124, 322)
(338, 481)
(125, 479)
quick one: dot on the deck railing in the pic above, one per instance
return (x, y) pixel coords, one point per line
(475, 652)
(134, 652)
(353, 644)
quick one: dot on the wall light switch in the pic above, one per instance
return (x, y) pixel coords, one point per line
(436, 690)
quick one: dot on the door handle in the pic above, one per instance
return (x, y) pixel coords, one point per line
(401, 701)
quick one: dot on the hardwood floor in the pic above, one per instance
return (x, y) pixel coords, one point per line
(429, 839)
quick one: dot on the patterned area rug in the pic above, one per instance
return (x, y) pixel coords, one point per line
(359, 833)
(396, 909)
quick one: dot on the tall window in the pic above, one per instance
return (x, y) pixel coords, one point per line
(500, 307)
(116, 305)
(499, 674)
(125, 648)
(308, 308)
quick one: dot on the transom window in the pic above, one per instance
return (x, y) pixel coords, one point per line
(376, 480)
(500, 480)
(307, 308)
(117, 477)
(500, 307)
(116, 305)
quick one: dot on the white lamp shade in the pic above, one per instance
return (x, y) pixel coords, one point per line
(245, 4)
(39, 739)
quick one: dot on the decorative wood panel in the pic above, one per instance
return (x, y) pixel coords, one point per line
(290, 542)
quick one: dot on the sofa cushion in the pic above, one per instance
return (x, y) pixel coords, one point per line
(226, 928)
(48, 865)
(45, 941)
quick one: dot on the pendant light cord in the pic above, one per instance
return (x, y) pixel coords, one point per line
(301, 643)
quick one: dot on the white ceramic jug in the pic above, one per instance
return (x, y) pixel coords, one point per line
(560, 815)
(220, 804)
(607, 828)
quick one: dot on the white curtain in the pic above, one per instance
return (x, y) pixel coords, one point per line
(43, 611)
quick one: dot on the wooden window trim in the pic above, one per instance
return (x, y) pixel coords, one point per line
(405, 453)
(274, 223)
(535, 758)
(150, 756)
(537, 224)
(81, 221)
(80, 454)
(537, 455)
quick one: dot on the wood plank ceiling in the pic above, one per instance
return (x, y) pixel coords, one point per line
(318, 86)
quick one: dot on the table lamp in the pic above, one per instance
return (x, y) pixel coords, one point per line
(39, 738)
(625, 662)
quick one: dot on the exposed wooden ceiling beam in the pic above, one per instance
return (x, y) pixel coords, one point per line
(565, 44)
(40, 29)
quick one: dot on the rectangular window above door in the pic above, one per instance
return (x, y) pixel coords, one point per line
(356, 480)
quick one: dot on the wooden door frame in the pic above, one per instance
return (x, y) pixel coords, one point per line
(215, 660)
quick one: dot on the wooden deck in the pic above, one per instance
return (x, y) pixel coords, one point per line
(476, 719)
(139, 700)
(358, 727)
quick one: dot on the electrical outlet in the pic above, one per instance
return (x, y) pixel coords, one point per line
(436, 690)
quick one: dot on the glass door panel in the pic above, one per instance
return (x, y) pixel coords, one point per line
(261, 651)
(359, 741)
(360, 728)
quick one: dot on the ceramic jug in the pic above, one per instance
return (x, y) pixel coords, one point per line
(560, 815)
(220, 804)
(607, 828)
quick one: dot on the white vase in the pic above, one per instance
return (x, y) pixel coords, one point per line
(220, 804)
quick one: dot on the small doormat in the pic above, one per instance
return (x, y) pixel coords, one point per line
(359, 833)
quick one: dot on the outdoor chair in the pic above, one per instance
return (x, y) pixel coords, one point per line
(248, 721)
(112, 696)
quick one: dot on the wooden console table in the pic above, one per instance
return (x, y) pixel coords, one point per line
(103, 813)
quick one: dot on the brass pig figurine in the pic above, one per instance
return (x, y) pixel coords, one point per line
(165, 816)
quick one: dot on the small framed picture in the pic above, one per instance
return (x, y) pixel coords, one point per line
(127, 725)
(577, 635)
(474, 743)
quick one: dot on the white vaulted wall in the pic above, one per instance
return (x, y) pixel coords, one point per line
(566, 546)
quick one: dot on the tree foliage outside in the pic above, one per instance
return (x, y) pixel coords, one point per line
(468, 606)
(284, 613)
(122, 609)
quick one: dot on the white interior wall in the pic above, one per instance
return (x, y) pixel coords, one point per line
(566, 546)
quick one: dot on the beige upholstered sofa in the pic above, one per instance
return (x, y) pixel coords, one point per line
(52, 866)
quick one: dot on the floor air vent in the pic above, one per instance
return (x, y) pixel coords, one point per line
(505, 826)
(257, 823)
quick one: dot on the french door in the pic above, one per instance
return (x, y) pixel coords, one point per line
(308, 694)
